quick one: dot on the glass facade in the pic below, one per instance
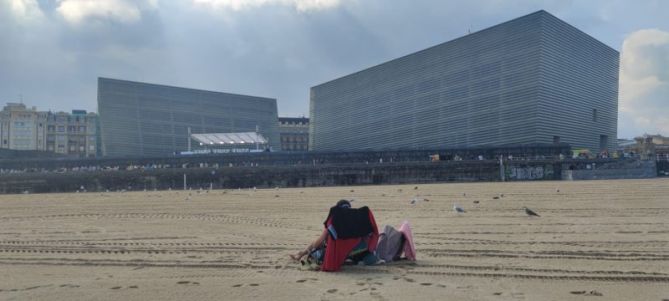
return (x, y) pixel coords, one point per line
(139, 119)
(533, 79)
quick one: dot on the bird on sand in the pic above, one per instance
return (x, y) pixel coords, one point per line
(458, 209)
(529, 212)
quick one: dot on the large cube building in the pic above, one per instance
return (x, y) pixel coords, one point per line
(534, 79)
(139, 119)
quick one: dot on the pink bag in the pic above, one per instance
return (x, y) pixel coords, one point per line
(409, 248)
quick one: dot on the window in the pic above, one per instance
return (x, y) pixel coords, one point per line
(556, 139)
(603, 142)
(594, 115)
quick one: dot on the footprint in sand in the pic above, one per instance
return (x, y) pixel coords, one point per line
(586, 293)
(133, 286)
(188, 282)
(426, 284)
(409, 280)
(69, 285)
(254, 284)
(301, 280)
(332, 290)
(116, 287)
(237, 285)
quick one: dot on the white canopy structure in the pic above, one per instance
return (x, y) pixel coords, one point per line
(229, 139)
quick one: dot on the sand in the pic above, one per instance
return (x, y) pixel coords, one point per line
(595, 240)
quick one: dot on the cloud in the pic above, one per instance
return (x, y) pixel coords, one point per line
(53, 50)
(644, 83)
(123, 11)
(300, 5)
(26, 10)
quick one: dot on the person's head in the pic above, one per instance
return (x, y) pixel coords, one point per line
(343, 204)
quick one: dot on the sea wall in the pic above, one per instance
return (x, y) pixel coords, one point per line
(253, 176)
(621, 169)
(308, 175)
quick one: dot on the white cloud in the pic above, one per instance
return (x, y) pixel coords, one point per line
(300, 5)
(644, 82)
(25, 9)
(124, 11)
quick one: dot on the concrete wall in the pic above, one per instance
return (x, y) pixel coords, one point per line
(325, 175)
(261, 177)
(628, 169)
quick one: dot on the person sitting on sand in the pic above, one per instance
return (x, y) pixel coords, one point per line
(349, 233)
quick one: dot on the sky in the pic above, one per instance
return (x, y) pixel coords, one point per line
(53, 51)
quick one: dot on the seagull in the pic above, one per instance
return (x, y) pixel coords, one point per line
(458, 209)
(476, 202)
(530, 212)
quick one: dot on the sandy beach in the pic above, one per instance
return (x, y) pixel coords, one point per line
(595, 240)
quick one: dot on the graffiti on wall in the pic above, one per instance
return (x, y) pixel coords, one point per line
(526, 172)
